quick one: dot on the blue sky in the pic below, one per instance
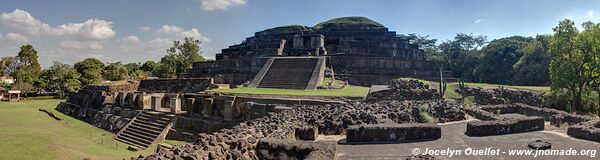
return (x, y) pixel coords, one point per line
(140, 30)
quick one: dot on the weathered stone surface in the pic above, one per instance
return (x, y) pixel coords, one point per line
(505, 126)
(285, 149)
(306, 133)
(180, 85)
(114, 87)
(392, 133)
(240, 141)
(421, 157)
(503, 96)
(539, 145)
(589, 131)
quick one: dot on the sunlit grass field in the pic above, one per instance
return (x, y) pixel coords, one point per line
(26, 133)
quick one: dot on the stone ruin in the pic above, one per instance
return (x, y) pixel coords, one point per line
(501, 95)
(405, 90)
(359, 50)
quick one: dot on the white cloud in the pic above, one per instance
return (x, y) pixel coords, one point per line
(211, 5)
(193, 33)
(478, 21)
(590, 13)
(168, 29)
(15, 38)
(130, 39)
(81, 45)
(91, 29)
(145, 28)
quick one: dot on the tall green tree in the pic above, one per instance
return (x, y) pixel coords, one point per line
(574, 57)
(180, 58)
(497, 59)
(91, 70)
(29, 68)
(532, 67)
(115, 72)
(61, 78)
(461, 55)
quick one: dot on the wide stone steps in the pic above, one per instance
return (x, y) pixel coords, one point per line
(289, 73)
(145, 129)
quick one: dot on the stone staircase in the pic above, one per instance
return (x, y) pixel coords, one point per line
(146, 129)
(291, 73)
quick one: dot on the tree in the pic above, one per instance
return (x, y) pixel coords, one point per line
(497, 59)
(532, 67)
(180, 58)
(61, 78)
(115, 72)
(90, 70)
(424, 43)
(574, 62)
(461, 55)
(29, 68)
(4, 64)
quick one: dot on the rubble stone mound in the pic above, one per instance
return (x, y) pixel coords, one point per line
(405, 90)
(502, 95)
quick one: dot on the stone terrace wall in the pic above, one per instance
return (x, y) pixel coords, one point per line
(556, 117)
(231, 71)
(366, 71)
(108, 118)
(393, 133)
(405, 90)
(180, 85)
(114, 87)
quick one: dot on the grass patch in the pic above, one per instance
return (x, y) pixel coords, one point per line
(350, 91)
(26, 133)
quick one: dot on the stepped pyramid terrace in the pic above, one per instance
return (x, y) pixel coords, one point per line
(355, 49)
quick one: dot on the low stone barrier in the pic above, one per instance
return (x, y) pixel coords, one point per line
(392, 133)
(114, 87)
(588, 131)
(179, 85)
(269, 148)
(506, 126)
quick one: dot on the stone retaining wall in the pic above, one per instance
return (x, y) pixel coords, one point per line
(114, 87)
(109, 118)
(392, 133)
(506, 126)
(588, 131)
(271, 149)
(180, 85)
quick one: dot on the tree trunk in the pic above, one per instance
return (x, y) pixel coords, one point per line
(576, 101)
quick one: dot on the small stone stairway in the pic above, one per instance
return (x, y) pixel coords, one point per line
(145, 129)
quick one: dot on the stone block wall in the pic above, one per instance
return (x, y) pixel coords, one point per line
(391, 133)
(180, 85)
(505, 126)
(108, 118)
(588, 131)
(114, 87)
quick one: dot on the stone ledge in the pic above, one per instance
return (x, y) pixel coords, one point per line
(588, 131)
(392, 133)
(506, 126)
(270, 148)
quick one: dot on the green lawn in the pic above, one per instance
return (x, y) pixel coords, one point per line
(26, 133)
(351, 91)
